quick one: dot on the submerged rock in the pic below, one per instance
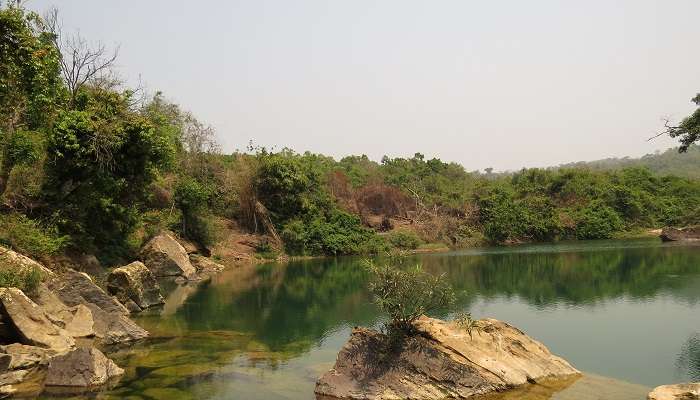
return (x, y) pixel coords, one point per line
(22, 370)
(442, 361)
(681, 391)
(31, 324)
(84, 367)
(688, 234)
(164, 256)
(134, 283)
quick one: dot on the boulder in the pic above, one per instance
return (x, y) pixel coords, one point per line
(681, 391)
(76, 320)
(204, 265)
(83, 367)
(12, 259)
(134, 283)
(689, 234)
(164, 256)
(22, 370)
(74, 288)
(441, 361)
(110, 318)
(31, 324)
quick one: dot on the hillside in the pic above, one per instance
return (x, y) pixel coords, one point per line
(669, 162)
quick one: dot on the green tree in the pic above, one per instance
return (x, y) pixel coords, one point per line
(31, 88)
(688, 131)
(102, 156)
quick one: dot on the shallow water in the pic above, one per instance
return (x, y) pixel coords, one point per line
(624, 312)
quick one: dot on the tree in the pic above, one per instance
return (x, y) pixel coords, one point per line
(688, 130)
(30, 85)
(101, 158)
(81, 63)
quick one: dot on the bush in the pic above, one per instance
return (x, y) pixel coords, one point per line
(191, 198)
(29, 237)
(597, 221)
(406, 294)
(404, 240)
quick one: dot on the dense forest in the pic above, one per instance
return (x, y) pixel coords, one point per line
(89, 165)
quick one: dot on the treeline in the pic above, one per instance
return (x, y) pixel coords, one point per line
(669, 162)
(89, 165)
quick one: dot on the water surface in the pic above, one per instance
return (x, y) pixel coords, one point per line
(621, 311)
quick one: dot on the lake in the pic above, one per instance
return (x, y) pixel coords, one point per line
(623, 312)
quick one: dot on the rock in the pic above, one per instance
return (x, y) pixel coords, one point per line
(442, 361)
(83, 367)
(76, 320)
(681, 391)
(12, 259)
(90, 264)
(114, 328)
(74, 288)
(30, 322)
(205, 265)
(134, 283)
(111, 322)
(689, 234)
(164, 256)
(23, 370)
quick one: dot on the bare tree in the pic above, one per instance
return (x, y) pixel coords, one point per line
(81, 62)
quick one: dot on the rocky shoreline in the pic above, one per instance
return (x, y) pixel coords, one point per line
(50, 338)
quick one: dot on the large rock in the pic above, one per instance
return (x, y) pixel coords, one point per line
(164, 256)
(22, 370)
(30, 322)
(16, 261)
(134, 284)
(83, 367)
(110, 318)
(681, 391)
(76, 320)
(689, 234)
(442, 361)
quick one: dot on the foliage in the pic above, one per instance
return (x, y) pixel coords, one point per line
(466, 322)
(597, 221)
(103, 157)
(403, 239)
(191, 198)
(30, 237)
(689, 129)
(406, 294)
(25, 279)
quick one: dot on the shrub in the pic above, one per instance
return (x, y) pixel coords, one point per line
(191, 198)
(597, 221)
(29, 237)
(406, 294)
(26, 279)
(405, 240)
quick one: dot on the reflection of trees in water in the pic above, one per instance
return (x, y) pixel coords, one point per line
(290, 307)
(688, 361)
(543, 279)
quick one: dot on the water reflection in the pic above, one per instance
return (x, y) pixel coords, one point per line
(267, 331)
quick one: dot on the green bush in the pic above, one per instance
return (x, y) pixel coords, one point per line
(406, 294)
(30, 237)
(27, 279)
(597, 221)
(404, 240)
(191, 198)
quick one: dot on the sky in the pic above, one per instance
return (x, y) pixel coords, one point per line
(501, 84)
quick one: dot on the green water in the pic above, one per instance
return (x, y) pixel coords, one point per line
(626, 310)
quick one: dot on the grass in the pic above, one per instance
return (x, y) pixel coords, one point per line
(27, 279)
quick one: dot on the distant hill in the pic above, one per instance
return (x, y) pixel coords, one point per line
(669, 162)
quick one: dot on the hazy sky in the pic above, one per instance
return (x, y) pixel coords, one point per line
(501, 84)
